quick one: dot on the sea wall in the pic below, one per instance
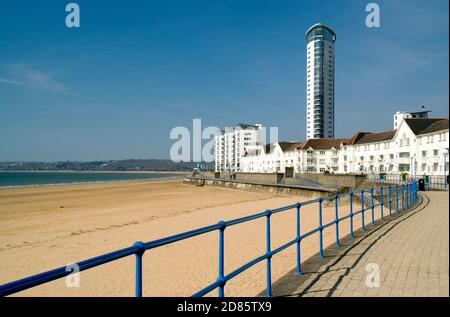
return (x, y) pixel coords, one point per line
(279, 189)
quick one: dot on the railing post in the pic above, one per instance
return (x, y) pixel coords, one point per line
(372, 205)
(396, 198)
(268, 255)
(407, 196)
(381, 202)
(362, 210)
(416, 190)
(336, 209)
(320, 228)
(403, 197)
(299, 268)
(351, 214)
(139, 253)
(390, 199)
(220, 278)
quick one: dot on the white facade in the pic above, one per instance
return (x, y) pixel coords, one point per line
(273, 159)
(320, 82)
(417, 147)
(313, 156)
(233, 143)
(400, 151)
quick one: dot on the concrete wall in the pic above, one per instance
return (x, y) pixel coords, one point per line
(340, 180)
(273, 189)
(259, 177)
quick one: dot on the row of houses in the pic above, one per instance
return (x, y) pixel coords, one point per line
(417, 146)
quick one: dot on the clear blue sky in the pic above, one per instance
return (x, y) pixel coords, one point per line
(116, 86)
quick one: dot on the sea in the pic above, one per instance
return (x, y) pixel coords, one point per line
(30, 178)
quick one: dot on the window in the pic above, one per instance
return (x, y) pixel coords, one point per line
(435, 152)
(322, 152)
(435, 167)
(424, 153)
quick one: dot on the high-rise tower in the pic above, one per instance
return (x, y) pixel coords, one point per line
(320, 82)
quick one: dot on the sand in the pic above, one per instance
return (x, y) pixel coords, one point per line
(45, 227)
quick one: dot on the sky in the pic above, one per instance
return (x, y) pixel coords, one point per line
(116, 86)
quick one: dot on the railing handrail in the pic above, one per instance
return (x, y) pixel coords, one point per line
(408, 194)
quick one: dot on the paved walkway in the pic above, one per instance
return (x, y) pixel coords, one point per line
(411, 251)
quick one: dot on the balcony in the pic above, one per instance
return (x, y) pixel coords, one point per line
(404, 160)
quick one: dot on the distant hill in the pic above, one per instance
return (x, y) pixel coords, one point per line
(112, 165)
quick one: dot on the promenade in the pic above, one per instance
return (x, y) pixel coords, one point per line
(409, 251)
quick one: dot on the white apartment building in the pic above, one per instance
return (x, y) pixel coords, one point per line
(419, 146)
(234, 143)
(312, 156)
(320, 82)
(274, 158)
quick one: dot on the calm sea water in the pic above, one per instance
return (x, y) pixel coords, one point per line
(43, 178)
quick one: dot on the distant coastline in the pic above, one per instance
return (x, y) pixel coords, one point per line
(128, 165)
(10, 179)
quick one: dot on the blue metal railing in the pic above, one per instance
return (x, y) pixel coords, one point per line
(408, 197)
(431, 181)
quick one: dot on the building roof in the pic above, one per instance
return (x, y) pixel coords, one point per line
(325, 143)
(285, 146)
(437, 126)
(317, 25)
(372, 137)
(426, 125)
(246, 126)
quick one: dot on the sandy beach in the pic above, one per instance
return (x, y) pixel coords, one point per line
(45, 227)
